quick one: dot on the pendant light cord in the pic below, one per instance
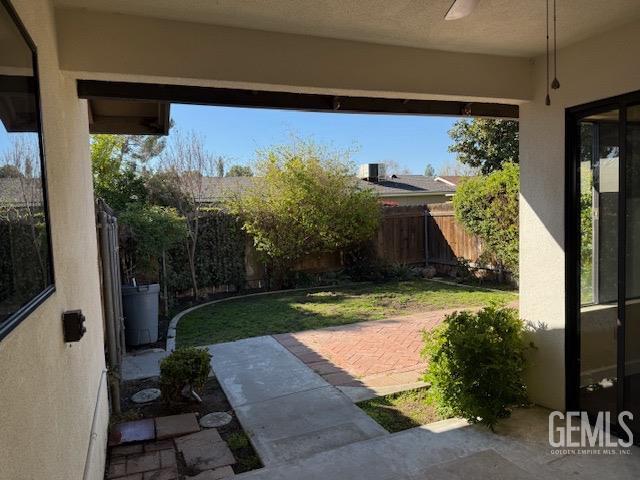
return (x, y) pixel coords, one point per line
(547, 99)
(555, 45)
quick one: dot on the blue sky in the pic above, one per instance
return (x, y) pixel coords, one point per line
(236, 133)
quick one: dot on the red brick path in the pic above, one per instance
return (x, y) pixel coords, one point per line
(375, 354)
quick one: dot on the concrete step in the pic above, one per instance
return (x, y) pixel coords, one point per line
(447, 450)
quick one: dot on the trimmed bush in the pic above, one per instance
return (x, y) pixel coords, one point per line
(185, 367)
(476, 364)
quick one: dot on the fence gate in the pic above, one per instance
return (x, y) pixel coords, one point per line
(107, 224)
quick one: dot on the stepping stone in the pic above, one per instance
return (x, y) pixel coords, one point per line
(205, 450)
(215, 420)
(145, 396)
(176, 425)
(215, 474)
(137, 431)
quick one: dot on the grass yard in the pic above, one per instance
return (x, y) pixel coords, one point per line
(400, 411)
(310, 309)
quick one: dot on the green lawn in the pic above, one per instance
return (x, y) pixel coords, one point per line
(400, 411)
(305, 310)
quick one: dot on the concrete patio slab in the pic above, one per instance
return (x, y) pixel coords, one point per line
(259, 369)
(477, 466)
(304, 423)
(455, 450)
(288, 411)
(141, 365)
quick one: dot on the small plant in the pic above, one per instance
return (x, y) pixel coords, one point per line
(237, 441)
(476, 363)
(185, 370)
(463, 273)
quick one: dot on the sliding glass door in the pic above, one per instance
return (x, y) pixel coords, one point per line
(631, 384)
(603, 252)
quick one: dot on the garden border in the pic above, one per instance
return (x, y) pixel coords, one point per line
(173, 324)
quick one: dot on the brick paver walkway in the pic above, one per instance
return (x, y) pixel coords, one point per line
(374, 354)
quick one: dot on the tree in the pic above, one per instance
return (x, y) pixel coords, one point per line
(488, 207)
(458, 169)
(21, 160)
(9, 171)
(118, 162)
(485, 143)
(219, 163)
(429, 171)
(392, 167)
(239, 171)
(306, 203)
(152, 230)
(185, 164)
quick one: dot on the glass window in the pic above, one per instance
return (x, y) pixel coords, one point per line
(26, 276)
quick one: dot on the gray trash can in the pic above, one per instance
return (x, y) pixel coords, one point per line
(140, 309)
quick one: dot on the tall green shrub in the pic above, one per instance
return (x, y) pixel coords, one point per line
(306, 202)
(148, 231)
(488, 207)
(220, 254)
(476, 363)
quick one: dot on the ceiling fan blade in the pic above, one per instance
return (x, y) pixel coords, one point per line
(460, 9)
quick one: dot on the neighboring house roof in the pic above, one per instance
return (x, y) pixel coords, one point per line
(216, 189)
(410, 185)
(452, 180)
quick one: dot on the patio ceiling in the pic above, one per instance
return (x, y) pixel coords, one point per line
(500, 27)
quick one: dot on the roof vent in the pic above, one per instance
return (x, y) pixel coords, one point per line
(372, 172)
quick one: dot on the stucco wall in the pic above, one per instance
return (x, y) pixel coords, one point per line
(49, 389)
(596, 68)
(152, 49)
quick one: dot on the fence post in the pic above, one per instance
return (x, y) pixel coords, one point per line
(426, 236)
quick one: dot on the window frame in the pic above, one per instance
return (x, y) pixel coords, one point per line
(31, 305)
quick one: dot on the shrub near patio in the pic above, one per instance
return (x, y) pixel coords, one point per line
(476, 363)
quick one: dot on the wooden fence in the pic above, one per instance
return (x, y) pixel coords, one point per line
(401, 237)
(448, 240)
(408, 235)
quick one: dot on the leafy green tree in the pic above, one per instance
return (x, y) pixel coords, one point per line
(219, 164)
(429, 171)
(239, 171)
(305, 203)
(118, 163)
(488, 207)
(485, 143)
(152, 230)
(9, 171)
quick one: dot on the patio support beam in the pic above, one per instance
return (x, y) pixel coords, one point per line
(103, 90)
(118, 47)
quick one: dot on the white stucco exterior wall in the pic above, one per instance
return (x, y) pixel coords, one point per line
(596, 68)
(144, 49)
(49, 389)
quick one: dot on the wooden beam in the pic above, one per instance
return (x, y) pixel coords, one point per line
(228, 97)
